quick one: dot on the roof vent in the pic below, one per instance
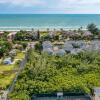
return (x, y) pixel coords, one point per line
(59, 95)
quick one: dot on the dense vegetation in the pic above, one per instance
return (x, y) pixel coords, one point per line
(46, 74)
(4, 36)
(22, 36)
(93, 29)
(5, 47)
(25, 36)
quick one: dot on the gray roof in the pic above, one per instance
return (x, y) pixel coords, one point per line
(87, 33)
(70, 33)
(6, 59)
(68, 46)
(60, 52)
(97, 90)
(63, 98)
(48, 50)
(76, 51)
(47, 44)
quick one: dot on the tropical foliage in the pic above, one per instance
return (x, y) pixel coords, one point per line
(23, 36)
(47, 74)
(5, 47)
(93, 29)
(4, 36)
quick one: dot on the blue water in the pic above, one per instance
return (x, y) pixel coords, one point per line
(28, 21)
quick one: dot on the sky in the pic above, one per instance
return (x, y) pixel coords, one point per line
(50, 6)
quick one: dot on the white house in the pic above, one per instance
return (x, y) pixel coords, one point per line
(11, 35)
(7, 61)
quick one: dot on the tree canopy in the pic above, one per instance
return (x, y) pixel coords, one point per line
(47, 74)
(93, 29)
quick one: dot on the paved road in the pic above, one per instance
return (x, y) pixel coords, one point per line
(4, 96)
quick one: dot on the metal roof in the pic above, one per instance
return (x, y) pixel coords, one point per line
(97, 90)
(63, 98)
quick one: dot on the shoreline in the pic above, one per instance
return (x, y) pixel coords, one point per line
(40, 29)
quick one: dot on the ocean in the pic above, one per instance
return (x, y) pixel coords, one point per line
(43, 21)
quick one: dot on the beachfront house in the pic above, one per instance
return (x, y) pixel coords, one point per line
(88, 47)
(59, 52)
(11, 36)
(51, 34)
(76, 51)
(92, 46)
(7, 61)
(71, 33)
(48, 51)
(58, 44)
(80, 43)
(76, 45)
(36, 34)
(87, 34)
(97, 93)
(47, 44)
(47, 47)
(68, 46)
(65, 33)
(96, 45)
(12, 52)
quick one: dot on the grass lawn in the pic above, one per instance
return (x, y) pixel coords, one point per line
(6, 67)
(43, 33)
(3, 67)
(5, 80)
(20, 55)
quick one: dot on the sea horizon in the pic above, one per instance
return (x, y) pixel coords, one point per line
(44, 21)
